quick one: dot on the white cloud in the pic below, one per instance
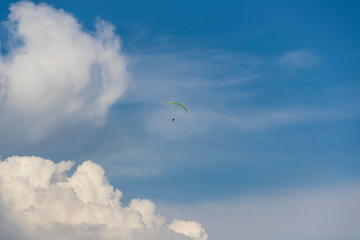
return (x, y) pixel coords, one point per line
(325, 213)
(38, 201)
(300, 59)
(56, 73)
(147, 210)
(190, 228)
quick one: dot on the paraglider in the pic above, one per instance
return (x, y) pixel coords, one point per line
(177, 104)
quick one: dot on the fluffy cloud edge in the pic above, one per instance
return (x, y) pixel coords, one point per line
(38, 200)
(56, 72)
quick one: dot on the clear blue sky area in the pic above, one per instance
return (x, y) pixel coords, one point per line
(272, 89)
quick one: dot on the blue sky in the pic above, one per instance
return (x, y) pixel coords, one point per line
(272, 89)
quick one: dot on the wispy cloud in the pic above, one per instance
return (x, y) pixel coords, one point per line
(243, 120)
(160, 76)
(221, 90)
(300, 59)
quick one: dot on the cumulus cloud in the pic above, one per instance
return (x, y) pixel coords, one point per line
(190, 228)
(56, 73)
(39, 201)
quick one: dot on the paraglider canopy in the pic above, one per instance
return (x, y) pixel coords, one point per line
(177, 104)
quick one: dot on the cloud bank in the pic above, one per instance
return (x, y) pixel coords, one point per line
(39, 201)
(56, 73)
(326, 213)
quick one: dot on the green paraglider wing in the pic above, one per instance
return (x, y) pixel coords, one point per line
(177, 104)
